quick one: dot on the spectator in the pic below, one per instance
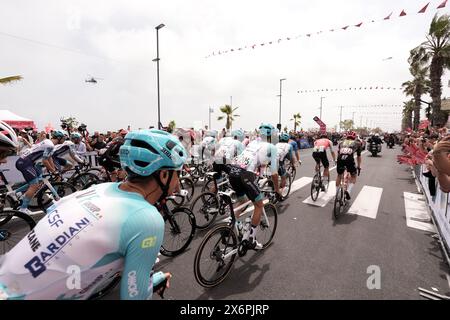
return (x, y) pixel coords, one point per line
(25, 142)
(98, 142)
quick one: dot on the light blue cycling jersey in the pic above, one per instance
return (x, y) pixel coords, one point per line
(84, 239)
(227, 149)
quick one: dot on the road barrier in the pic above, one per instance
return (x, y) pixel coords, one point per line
(439, 207)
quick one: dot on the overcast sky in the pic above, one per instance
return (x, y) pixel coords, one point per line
(118, 39)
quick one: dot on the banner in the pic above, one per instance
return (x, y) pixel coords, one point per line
(323, 127)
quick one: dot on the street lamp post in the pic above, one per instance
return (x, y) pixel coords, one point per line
(157, 71)
(211, 110)
(279, 115)
(321, 98)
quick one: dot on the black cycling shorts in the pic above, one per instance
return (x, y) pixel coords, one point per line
(243, 183)
(321, 157)
(109, 164)
(29, 170)
(218, 168)
(346, 161)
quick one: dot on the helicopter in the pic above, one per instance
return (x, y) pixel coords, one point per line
(92, 79)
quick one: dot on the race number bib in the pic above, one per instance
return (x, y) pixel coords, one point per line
(346, 151)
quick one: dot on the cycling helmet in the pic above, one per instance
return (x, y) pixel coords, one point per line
(351, 135)
(8, 137)
(75, 135)
(284, 137)
(266, 130)
(211, 133)
(123, 132)
(147, 151)
(239, 134)
(57, 134)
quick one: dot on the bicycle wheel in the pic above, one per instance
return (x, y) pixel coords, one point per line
(287, 188)
(15, 230)
(7, 203)
(83, 179)
(45, 197)
(268, 225)
(326, 182)
(215, 256)
(205, 208)
(315, 187)
(209, 186)
(338, 203)
(179, 229)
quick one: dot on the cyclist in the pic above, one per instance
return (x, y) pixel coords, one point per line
(285, 151)
(292, 141)
(109, 158)
(227, 149)
(93, 234)
(346, 160)
(320, 154)
(29, 165)
(242, 175)
(64, 155)
(79, 145)
(8, 142)
(208, 145)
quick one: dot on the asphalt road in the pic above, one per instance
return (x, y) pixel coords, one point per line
(314, 257)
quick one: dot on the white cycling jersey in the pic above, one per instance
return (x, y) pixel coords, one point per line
(42, 150)
(208, 146)
(84, 239)
(227, 149)
(67, 152)
(283, 149)
(257, 154)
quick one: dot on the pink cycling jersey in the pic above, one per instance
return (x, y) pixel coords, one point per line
(321, 145)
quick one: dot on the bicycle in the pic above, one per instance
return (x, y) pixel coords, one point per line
(80, 178)
(266, 185)
(226, 242)
(48, 192)
(340, 201)
(20, 224)
(179, 228)
(318, 182)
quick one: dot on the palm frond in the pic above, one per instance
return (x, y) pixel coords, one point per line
(10, 79)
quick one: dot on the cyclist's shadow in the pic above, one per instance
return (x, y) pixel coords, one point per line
(345, 218)
(238, 281)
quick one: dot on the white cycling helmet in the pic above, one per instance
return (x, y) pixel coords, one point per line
(8, 137)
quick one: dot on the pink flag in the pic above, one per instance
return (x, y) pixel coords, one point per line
(424, 9)
(403, 13)
(388, 17)
(345, 28)
(442, 5)
(358, 25)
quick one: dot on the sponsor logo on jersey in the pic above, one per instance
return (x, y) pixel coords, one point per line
(36, 265)
(92, 208)
(132, 284)
(54, 219)
(148, 242)
(33, 241)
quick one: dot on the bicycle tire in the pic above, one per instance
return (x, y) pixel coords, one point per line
(207, 187)
(225, 234)
(45, 196)
(173, 227)
(21, 225)
(287, 188)
(315, 187)
(338, 203)
(269, 231)
(185, 184)
(205, 207)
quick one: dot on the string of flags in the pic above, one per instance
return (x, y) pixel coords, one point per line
(403, 13)
(350, 89)
(372, 106)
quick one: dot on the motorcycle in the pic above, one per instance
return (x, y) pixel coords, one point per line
(374, 148)
(390, 144)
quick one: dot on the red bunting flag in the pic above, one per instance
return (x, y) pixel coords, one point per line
(403, 13)
(424, 8)
(345, 28)
(389, 16)
(442, 5)
(358, 25)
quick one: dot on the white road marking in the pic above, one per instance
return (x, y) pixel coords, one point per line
(300, 183)
(367, 202)
(324, 197)
(417, 216)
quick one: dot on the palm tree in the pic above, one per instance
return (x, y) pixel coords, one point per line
(436, 49)
(416, 87)
(408, 108)
(347, 124)
(10, 79)
(228, 111)
(296, 119)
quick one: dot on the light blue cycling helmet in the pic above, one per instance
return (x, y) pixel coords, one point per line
(212, 133)
(57, 134)
(266, 130)
(147, 151)
(75, 135)
(239, 134)
(284, 137)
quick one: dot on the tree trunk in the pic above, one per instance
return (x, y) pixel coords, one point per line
(228, 125)
(409, 119)
(417, 111)
(295, 125)
(439, 118)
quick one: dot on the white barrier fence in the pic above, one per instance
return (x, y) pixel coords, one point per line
(14, 175)
(439, 206)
